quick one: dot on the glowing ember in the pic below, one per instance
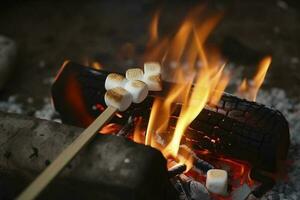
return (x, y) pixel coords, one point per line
(110, 128)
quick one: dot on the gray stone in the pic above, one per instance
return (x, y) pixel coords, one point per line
(8, 51)
(112, 167)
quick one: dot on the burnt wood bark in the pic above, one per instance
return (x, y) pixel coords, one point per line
(111, 167)
(235, 127)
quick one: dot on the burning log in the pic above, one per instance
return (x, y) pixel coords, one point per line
(29, 145)
(235, 128)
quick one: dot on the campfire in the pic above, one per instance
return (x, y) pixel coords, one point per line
(229, 146)
(174, 125)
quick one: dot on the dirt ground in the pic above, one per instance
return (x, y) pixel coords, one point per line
(47, 33)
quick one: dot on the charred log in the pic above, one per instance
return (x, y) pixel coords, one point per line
(235, 127)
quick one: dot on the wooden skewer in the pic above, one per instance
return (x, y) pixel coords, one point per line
(34, 189)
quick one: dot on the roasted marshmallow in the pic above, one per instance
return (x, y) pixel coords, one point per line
(153, 82)
(114, 80)
(134, 74)
(152, 76)
(138, 90)
(118, 97)
(152, 68)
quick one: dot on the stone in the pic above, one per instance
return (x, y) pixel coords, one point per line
(112, 167)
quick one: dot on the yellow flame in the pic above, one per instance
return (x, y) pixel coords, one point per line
(153, 30)
(96, 65)
(190, 110)
(249, 89)
(185, 47)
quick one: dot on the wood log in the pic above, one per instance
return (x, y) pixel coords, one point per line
(111, 167)
(235, 128)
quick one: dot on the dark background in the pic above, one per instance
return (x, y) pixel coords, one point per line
(47, 33)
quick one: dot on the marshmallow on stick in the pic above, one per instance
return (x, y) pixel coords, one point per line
(134, 74)
(120, 94)
(152, 76)
(138, 90)
(114, 80)
(119, 98)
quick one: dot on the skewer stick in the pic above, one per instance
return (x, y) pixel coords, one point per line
(66, 156)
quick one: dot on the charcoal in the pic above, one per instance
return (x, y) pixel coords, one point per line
(176, 170)
(110, 167)
(202, 165)
(234, 128)
(190, 189)
(127, 128)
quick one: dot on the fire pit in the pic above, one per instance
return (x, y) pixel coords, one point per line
(247, 139)
(192, 138)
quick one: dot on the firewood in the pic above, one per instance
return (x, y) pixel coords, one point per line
(236, 128)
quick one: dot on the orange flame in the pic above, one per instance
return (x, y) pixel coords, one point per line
(93, 64)
(153, 31)
(184, 50)
(249, 88)
(96, 65)
(138, 135)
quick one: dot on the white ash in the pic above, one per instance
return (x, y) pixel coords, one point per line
(14, 105)
(11, 105)
(47, 112)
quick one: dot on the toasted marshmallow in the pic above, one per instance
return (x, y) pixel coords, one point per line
(134, 74)
(114, 80)
(137, 89)
(118, 97)
(152, 68)
(153, 82)
(216, 181)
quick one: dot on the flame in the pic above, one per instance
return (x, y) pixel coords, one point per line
(153, 29)
(249, 88)
(93, 64)
(196, 86)
(96, 65)
(138, 134)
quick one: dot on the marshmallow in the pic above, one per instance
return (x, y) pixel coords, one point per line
(137, 89)
(114, 80)
(134, 74)
(153, 82)
(118, 97)
(152, 68)
(216, 181)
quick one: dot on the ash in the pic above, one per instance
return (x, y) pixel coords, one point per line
(16, 105)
